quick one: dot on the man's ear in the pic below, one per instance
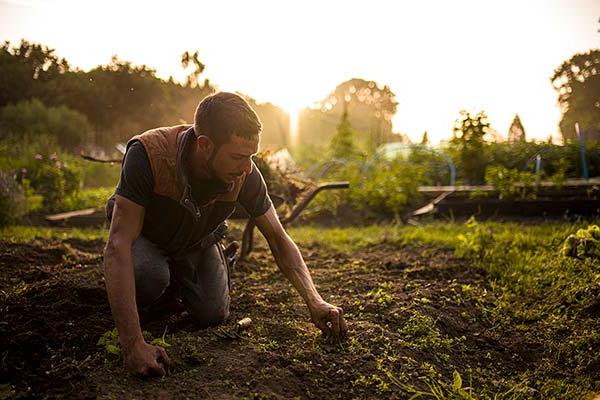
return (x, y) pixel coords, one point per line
(205, 146)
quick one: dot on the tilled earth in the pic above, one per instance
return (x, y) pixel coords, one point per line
(416, 315)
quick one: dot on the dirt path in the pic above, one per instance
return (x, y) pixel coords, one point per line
(416, 315)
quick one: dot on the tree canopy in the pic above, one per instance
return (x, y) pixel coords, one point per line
(370, 108)
(577, 82)
(111, 102)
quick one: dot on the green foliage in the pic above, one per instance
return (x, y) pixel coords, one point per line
(543, 286)
(386, 188)
(110, 341)
(467, 145)
(26, 71)
(24, 234)
(391, 187)
(13, 204)
(69, 128)
(560, 176)
(477, 242)
(109, 103)
(558, 162)
(381, 295)
(511, 183)
(583, 244)
(87, 198)
(555, 159)
(55, 180)
(342, 144)
(433, 164)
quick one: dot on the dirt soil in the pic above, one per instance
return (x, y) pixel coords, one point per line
(414, 313)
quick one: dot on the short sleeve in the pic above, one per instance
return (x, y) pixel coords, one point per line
(136, 182)
(254, 196)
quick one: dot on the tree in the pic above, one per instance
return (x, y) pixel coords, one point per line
(342, 144)
(197, 67)
(468, 145)
(26, 69)
(425, 138)
(370, 108)
(516, 132)
(577, 82)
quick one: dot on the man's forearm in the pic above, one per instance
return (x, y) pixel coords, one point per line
(290, 262)
(120, 287)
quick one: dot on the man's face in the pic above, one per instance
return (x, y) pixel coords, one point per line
(233, 158)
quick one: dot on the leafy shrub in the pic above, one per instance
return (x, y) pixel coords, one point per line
(13, 204)
(583, 244)
(97, 174)
(511, 183)
(477, 242)
(32, 117)
(388, 188)
(87, 198)
(391, 187)
(54, 180)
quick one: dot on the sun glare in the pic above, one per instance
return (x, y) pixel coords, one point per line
(293, 109)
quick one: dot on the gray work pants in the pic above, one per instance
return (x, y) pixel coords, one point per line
(200, 278)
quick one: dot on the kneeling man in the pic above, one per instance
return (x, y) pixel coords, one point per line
(178, 185)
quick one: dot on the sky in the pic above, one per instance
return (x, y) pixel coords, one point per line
(438, 57)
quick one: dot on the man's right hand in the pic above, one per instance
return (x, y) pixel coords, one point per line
(144, 359)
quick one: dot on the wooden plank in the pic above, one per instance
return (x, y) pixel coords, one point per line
(70, 214)
(489, 188)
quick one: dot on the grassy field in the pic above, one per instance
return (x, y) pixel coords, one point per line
(445, 311)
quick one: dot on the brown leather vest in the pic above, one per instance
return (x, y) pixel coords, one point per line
(164, 147)
(173, 220)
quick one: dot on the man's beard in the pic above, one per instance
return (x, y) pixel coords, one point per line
(212, 171)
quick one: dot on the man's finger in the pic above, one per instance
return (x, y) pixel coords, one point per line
(334, 317)
(157, 369)
(161, 355)
(342, 322)
(151, 370)
(343, 325)
(322, 325)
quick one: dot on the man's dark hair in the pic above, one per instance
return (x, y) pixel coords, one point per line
(223, 114)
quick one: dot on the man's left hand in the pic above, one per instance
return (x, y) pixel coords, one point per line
(329, 319)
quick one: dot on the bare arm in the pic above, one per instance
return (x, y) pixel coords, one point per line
(290, 262)
(126, 225)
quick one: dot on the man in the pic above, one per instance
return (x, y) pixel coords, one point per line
(178, 184)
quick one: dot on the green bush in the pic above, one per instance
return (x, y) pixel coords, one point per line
(52, 178)
(583, 244)
(31, 117)
(387, 188)
(511, 183)
(97, 174)
(13, 204)
(87, 198)
(55, 180)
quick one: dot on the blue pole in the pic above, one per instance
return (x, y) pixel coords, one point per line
(586, 173)
(538, 166)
